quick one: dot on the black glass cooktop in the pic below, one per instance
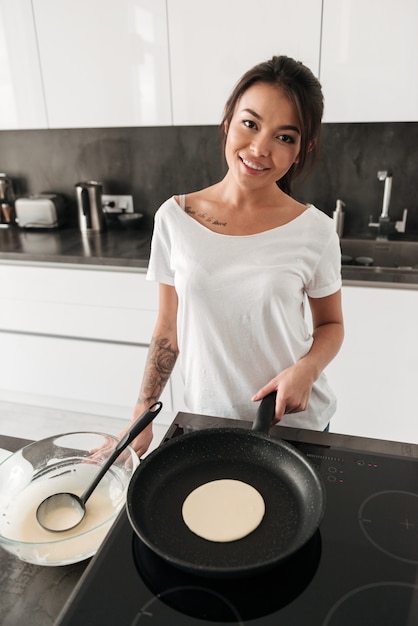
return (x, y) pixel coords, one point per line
(360, 567)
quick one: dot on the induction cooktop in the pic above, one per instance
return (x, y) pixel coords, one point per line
(360, 567)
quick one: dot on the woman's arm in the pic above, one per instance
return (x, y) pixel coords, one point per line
(294, 384)
(328, 332)
(161, 358)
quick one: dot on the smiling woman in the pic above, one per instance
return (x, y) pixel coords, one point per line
(263, 138)
(304, 97)
(237, 262)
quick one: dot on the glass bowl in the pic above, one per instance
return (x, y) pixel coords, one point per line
(66, 462)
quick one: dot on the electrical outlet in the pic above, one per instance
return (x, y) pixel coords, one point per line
(117, 204)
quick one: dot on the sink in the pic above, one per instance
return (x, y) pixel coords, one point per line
(402, 255)
(394, 276)
(376, 261)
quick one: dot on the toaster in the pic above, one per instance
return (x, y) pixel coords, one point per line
(40, 211)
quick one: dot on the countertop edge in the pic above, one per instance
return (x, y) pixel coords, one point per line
(329, 439)
(141, 265)
(378, 284)
(107, 265)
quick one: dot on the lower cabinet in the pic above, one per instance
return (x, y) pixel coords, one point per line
(375, 374)
(76, 339)
(78, 375)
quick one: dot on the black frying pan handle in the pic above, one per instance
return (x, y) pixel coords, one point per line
(265, 414)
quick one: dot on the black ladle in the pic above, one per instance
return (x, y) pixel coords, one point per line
(64, 511)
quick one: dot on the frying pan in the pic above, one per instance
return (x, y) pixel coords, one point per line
(292, 490)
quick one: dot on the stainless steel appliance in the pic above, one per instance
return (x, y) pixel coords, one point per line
(7, 213)
(89, 203)
(361, 566)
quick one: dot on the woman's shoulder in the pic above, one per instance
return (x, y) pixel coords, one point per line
(182, 200)
(207, 194)
(170, 202)
(319, 216)
(168, 206)
(319, 227)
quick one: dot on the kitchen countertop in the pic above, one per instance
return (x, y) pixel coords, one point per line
(124, 249)
(128, 250)
(32, 594)
(36, 595)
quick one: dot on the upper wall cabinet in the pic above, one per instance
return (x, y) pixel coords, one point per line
(90, 63)
(369, 60)
(104, 64)
(22, 103)
(213, 43)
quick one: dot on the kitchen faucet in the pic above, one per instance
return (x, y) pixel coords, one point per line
(384, 226)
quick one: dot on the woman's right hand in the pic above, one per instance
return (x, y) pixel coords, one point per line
(141, 443)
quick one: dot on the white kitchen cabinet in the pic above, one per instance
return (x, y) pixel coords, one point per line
(22, 103)
(86, 376)
(76, 339)
(88, 63)
(369, 60)
(213, 43)
(80, 303)
(375, 374)
(104, 64)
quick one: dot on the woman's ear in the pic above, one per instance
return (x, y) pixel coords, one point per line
(311, 145)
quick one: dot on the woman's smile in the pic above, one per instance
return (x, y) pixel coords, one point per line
(251, 165)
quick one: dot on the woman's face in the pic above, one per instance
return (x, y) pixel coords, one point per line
(263, 138)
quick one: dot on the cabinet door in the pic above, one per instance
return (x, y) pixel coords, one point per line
(76, 339)
(68, 374)
(213, 43)
(369, 60)
(104, 63)
(22, 103)
(79, 303)
(375, 374)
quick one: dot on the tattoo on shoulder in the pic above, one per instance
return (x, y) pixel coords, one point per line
(204, 217)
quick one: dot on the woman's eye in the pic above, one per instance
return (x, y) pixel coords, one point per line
(249, 123)
(286, 138)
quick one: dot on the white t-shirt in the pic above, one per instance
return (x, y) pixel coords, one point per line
(241, 302)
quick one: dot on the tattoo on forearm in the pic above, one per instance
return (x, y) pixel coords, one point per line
(158, 367)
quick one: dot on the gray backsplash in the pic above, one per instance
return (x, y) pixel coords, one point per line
(155, 163)
(351, 156)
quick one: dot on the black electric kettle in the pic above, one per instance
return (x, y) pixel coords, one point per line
(89, 203)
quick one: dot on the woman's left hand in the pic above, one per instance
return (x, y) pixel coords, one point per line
(294, 384)
(293, 389)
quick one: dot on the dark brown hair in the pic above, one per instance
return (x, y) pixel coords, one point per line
(304, 90)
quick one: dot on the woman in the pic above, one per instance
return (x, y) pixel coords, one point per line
(236, 261)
